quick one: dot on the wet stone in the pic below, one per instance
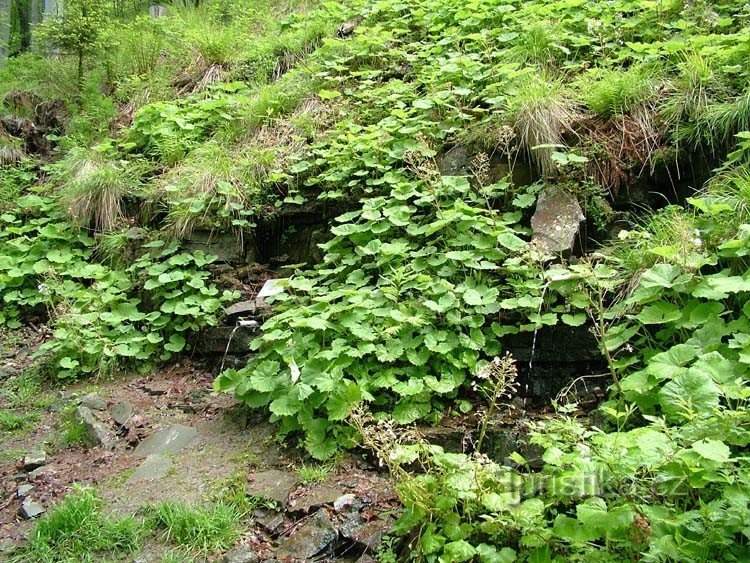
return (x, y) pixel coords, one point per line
(95, 402)
(272, 484)
(315, 536)
(153, 467)
(121, 413)
(168, 441)
(33, 460)
(30, 509)
(370, 534)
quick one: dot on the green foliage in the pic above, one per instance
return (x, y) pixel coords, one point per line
(664, 480)
(76, 530)
(399, 314)
(78, 30)
(197, 530)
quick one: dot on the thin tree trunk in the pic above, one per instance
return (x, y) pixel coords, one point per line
(5, 6)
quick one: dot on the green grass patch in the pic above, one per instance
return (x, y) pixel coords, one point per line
(12, 421)
(202, 529)
(314, 473)
(76, 530)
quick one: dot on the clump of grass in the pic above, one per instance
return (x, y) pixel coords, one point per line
(76, 530)
(74, 432)
(208, 188)
(538, 45)
(541, 113)
(11, 421)
(310, 474)
(94, 188)
(25, 392)
(197, 529)
(611, 92)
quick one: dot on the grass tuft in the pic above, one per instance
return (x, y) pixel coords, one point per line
(200, 529)
(76, 530)
(541, 113)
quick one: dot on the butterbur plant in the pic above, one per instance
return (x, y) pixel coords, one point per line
(495, 381)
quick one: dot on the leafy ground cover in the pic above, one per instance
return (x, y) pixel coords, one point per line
(222, 115)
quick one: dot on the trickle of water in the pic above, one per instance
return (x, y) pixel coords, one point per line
(251, 324)
(536, 331)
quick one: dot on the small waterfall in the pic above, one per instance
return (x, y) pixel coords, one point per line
(536, 331)
(250, 324)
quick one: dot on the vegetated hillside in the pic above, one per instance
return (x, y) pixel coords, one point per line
(434, 126)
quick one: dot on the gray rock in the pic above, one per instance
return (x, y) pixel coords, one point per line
(272, 484)
(121, 413)
(96, 433)
(21, 477)
(271, 520)
(270, 288)
(315, 536)
(241, 308)
(316, 497)
(455, 162)
(153, 467)
(30, 509)
(168, 441)
(94, 401)
(24, 491)
(556, 220)
(34, 459)
(370, 534)
(241, 554)
(37, 472)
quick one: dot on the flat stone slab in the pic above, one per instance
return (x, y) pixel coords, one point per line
(273, 484)
(168, 441)
(153, 467)
(30, 509)
(316, 497)
(241, 308)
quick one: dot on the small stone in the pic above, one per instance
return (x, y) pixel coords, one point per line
(157, 387)
(121, 413)
(24, 491)
(241, 554)
(21, 477)
(153, 467)
(33, 460)
(30, 509)
(315, 498)
(344, 501)
(96, 432)
(272, 484)
(168, 441)
(313, 537)
(94, 401)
